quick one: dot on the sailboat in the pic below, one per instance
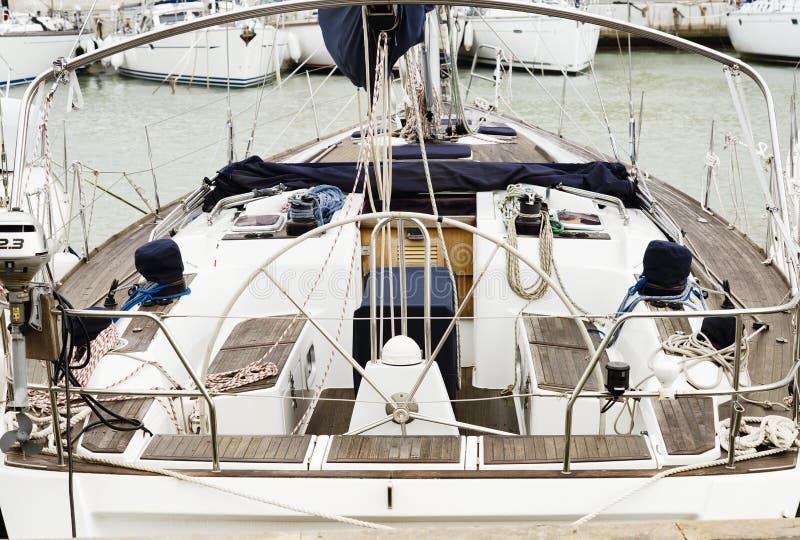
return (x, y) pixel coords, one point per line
(446, 315)
(766, 29)
(239, 55)
(30, 43)
(540, 43)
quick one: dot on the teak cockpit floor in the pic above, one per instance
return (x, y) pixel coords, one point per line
(560, 356)
(388, 449)
(550, 449)
(332, 413)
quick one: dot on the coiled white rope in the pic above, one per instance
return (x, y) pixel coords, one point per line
(230, 491)
(696, 348)
(509, 209)
(774, 430)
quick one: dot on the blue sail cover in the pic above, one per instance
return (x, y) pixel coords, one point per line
(343, 34)
(408, 177)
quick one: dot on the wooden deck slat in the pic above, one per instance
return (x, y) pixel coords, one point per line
(388, 449)
(670, 326)
(727, 254)
(251, 340)
(559, 353)
(687, 424)
(106, 440)
(550, 449)
(332, 417)
(233, 448)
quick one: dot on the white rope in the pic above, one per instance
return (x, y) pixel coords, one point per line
(40, 432)
(696, 348)
(671, 472)
(509, 209)
(230, 491)
(774, 430)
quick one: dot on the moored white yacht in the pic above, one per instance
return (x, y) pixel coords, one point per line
(241, 54)
(438, 318)
(29, 43)
(766, 29)
(539, 42)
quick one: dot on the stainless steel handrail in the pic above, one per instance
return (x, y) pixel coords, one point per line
(616, 201)
(373, 287)
(212, 411)
(601, 348)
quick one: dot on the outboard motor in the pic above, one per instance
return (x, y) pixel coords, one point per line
(23, 252)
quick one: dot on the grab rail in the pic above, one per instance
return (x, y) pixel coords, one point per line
(734, 393)
(212, 411)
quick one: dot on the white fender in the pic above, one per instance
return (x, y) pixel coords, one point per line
(115, 60)
(294, 46)
(469, 36)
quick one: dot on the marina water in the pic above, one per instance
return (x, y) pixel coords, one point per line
(186, 126)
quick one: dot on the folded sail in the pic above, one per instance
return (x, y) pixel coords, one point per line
(343, 33)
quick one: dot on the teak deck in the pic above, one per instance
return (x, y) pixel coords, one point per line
(550, 449)
(388, 449)
(560, 356)
(103, 439)
(251, 340)
(725, 253)
(238, 448)
(687, 424)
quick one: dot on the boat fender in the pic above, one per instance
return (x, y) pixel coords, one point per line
(469, 36)
(294, 47)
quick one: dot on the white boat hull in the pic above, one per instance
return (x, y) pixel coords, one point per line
(202, 58)
(312, 46)
(768, 34)
(24, 56)
(147, 505)
(541, 43)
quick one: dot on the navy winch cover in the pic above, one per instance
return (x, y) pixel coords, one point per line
(408, 177)
(343, 33)
(666, 264)
(159, 261)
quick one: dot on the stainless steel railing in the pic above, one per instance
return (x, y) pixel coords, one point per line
(201, 392)
(734, 393)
